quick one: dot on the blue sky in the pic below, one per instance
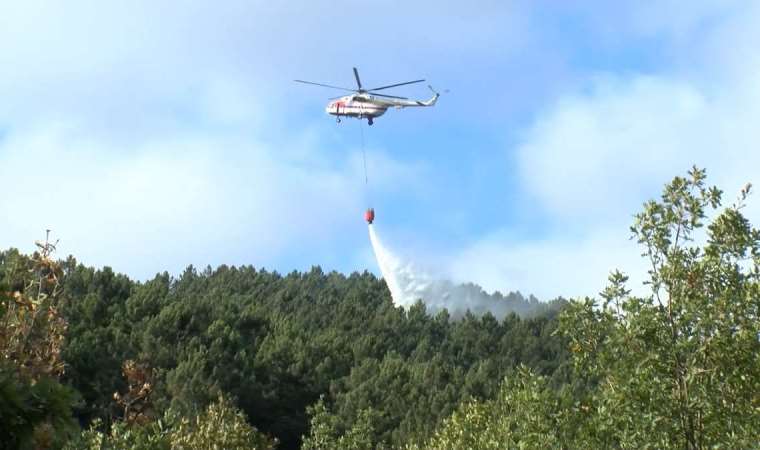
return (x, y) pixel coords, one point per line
(152, 136)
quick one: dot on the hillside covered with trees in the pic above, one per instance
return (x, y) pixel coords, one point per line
(277, 344)
(247, 358)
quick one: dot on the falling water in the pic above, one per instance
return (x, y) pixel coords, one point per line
(409, 283)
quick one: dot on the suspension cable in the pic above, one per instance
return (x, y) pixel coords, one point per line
(364, 153)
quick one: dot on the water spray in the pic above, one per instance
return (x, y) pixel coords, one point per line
(409, 283)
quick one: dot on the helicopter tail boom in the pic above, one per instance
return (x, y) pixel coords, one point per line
(432, 100)
(421, 103)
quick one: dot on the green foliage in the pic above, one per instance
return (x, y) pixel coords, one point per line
(99, 337)
(277, 343)
(121, 436)
(220, 426)
(526, 414)
(324, 433)
(34, 414)
(680, 367)
(409, 393)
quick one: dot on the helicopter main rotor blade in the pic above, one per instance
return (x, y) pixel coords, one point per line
(374, 95)
(358, 81)
(389, 96)
(394, 85)
(325, 85)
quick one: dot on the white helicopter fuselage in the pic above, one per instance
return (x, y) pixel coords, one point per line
(369, 106)
(356, 106)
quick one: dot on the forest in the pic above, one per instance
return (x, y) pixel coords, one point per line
(240, 357)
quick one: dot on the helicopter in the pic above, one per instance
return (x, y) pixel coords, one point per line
(367, 103)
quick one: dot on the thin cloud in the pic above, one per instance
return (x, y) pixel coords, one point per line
(196, 198)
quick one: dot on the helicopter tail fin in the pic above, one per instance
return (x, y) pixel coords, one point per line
(432, 100)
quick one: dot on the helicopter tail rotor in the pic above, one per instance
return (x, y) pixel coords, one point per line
(445, 91)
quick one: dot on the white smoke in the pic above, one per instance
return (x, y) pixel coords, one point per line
(408, 284)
